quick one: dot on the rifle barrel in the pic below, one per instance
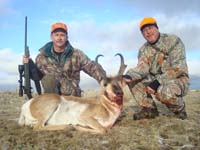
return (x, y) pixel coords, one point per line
(27, 87)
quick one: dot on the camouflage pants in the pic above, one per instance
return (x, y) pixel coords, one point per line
(64, 86)
(170, 93)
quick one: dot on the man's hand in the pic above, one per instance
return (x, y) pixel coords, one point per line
(150, 90)
(152, 87)
(127, 78)
(25, 59)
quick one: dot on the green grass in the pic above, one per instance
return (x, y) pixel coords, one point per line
(161, 133)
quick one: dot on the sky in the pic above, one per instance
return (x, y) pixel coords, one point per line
(95, 27)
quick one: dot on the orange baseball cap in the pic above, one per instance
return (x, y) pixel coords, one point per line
(147, 21)
(58, 25)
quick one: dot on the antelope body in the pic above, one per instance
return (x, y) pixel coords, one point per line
(56, 112)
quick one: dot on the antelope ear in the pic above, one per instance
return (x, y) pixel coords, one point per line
(123, 81)
(103, 83)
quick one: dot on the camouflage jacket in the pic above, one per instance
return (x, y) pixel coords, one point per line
(165, 60)
(66, 68)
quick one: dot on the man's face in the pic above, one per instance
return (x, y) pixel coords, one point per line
(59, 38)
(150, 33)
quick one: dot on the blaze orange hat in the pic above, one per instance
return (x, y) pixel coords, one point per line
(58, 25)
(147, 21)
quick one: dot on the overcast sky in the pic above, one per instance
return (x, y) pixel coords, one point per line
(95, 26)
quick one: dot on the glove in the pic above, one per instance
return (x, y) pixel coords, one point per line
(35, 73)
(127, 78)
(153, 86)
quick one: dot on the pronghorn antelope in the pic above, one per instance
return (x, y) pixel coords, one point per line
(55, 112)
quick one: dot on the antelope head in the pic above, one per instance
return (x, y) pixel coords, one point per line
(112, 86)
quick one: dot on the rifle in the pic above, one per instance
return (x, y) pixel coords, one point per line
(28, 71)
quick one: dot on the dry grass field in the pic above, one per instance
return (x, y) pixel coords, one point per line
(162, 133)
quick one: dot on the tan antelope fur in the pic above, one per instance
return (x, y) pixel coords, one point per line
(56, 112)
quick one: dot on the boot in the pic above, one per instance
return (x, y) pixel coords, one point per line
(181, 115)
(146, 113)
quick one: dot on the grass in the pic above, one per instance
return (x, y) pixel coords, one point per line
(161, 133)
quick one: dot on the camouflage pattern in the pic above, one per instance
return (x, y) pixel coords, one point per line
(165, 61)
(62, 73)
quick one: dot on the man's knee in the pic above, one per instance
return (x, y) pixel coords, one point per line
(171, 97)
(168, 92)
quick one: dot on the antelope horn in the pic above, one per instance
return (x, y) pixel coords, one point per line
(122, 65)
(97, 57)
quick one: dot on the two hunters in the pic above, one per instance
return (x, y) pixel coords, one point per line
(161, 72)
